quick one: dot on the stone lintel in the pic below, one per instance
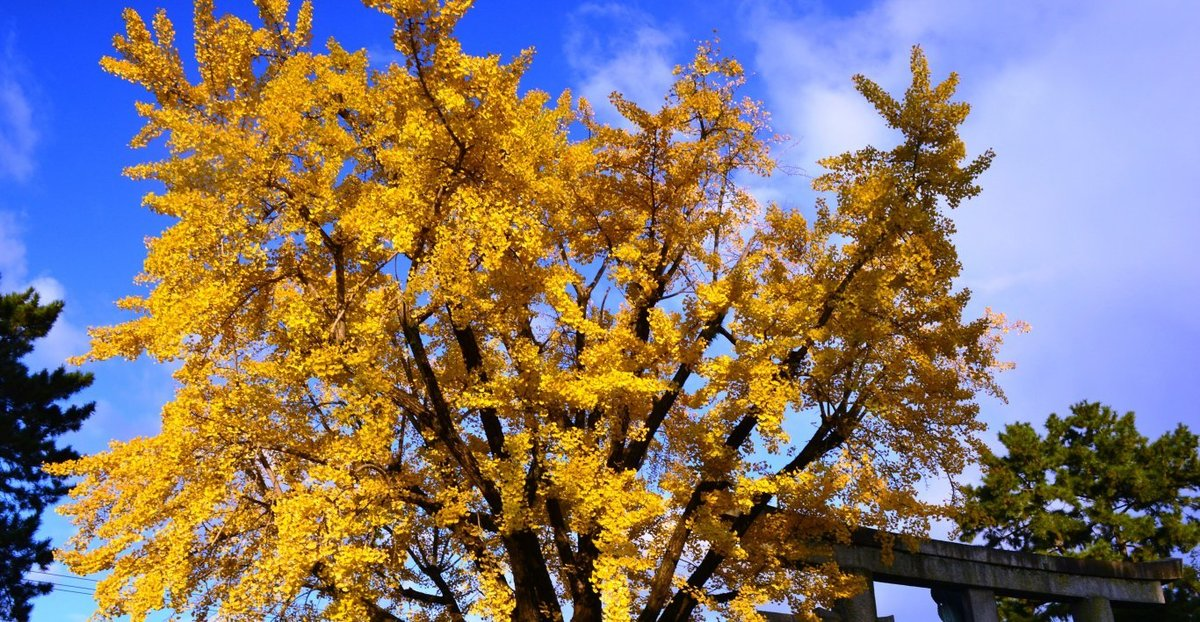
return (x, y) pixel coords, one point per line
(931, 570)
(1160, 570)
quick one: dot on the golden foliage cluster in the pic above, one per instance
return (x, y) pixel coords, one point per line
(449, 347)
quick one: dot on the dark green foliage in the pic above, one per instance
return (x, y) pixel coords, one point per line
(1093, 486)
(30, 421)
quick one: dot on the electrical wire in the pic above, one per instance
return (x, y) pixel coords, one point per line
(65, 575)
(62, 590)
(65, 588)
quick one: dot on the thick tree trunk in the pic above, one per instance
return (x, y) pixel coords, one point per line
(536, 600)
(591, 612)
(587, 606)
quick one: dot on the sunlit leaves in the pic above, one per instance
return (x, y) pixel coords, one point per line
(450, 348)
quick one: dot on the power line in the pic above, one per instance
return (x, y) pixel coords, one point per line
(66, 591)
(64, 576)
(72, 589)
(87, 591)
(68, 585)
(52, 581)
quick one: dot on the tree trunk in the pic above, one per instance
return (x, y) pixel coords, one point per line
(533, 590)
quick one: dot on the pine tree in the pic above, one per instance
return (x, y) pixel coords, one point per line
(31, 419)
(1093, 487)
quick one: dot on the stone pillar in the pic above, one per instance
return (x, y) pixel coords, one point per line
(982, 604)
(962, 604)
(1092, 610)
(860, 607)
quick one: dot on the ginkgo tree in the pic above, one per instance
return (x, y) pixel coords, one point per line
(448, 346)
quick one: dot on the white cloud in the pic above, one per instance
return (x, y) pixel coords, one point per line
(1096, 135)
(64, 341)
(1088, 226)
(616, 48)
(18, 132)
(807, 60)
(835, 120)
(1087, 220)
(48, 288)
(65, 338)
(18, 139)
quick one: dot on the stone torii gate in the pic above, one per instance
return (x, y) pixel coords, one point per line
(965, 580)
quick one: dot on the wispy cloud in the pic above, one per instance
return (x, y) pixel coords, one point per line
(617, 48)
(18, 142)
(12, 252)
(18, 130)
(1086, 223)
(1088, 226)
(65, 339)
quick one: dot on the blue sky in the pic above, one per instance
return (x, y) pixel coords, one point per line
(1088, 227)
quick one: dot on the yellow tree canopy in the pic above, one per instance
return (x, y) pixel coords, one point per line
(446, 347)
